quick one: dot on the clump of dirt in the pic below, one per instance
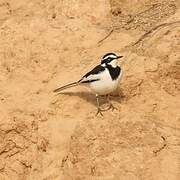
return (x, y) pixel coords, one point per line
(140, 15)
(20, 145)
(17, 149)
(99, 151)
(168, 77)
(164, 67)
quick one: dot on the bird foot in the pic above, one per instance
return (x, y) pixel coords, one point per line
(112, 107)
(99, 111)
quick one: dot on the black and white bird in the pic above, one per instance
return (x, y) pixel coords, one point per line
(102, 80)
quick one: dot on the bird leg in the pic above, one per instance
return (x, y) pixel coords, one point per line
(99, 110)
(110, 104)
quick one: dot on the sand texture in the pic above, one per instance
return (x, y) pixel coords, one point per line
(48, 43)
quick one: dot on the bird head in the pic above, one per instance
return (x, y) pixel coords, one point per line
(110, 59)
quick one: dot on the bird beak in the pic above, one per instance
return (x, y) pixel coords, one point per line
(118, 57)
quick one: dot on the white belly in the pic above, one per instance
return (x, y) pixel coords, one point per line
(105, 85)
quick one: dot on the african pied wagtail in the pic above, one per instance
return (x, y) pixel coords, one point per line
(102, 80)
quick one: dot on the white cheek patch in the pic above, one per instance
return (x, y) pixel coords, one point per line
(113, 63)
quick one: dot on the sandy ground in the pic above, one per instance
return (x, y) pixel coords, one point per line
(45, 44)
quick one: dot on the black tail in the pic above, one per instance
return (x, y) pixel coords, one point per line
(66, 86)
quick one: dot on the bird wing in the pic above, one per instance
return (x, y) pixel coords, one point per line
(92, 75)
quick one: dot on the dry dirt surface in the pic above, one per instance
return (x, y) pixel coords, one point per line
(48, 43)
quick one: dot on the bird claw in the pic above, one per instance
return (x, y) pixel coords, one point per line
(112, 107)
(99, 111)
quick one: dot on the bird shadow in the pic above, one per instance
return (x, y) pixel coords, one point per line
(90, 97)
